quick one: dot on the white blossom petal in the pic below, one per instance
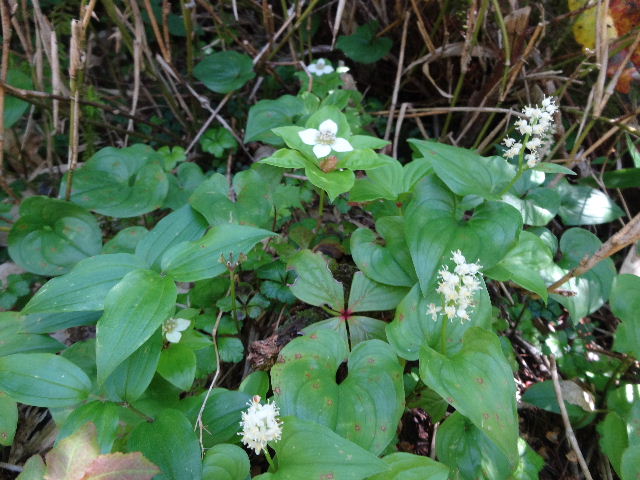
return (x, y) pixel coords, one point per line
(321, 150)
(174, 336)
(313, 68)
(309, 136)
(342, 145)
(329, 126)
(182, 324)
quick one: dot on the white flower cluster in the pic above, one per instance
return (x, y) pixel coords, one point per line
(457, 288)
(535, 127)
(260, 424)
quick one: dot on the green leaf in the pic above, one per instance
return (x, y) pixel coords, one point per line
(187, 178)
(613, 439)
(8, 419)
(386, 261)
(315, 285)
(85, 287)
(225, 462)
(192, 261)
(360, 328)
(406, 466)
(104, 415)
(131, 378)
(334, 183)
(629, 463)
(14, 107)
(435, 227)
(364, 159)
(285, 158)
(121, 183)
(171, 443)
(364, 46)
(178, 366)
(221, 415)
(304, 383)
(543, 395)
(310, 450)
(223, 72)
(389, 181)
(581, 205)
(183, 225)
(121, 466)
(522, 262)
(369, 296)
(133, 310)
(43, 380)
(268, 114)
(591, 289)
(538, 207)
(125, 240)
(216, 140)
(478, 382)
(464, 171)
(256, 383)
(367, 141)
(548, 167)
(15, 339)
(51, 236)
(625, 304)
(469, 452)
(413, 328)
(53, 322)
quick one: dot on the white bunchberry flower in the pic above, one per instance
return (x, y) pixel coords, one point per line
(457, 288)
(173, 327)
(260, 424)
(324, 139)
(321, 67)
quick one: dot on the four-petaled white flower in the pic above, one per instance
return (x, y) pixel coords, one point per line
(324, 139)
(260, 424)
(321, 67)
(173, 327)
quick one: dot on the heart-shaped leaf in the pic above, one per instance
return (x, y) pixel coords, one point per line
(435, 226)
(304, 383)
(413, 327)
(51, 236)
(122, 183)
(133, 310)
(225, 462)
(311, 450)
(478, 382)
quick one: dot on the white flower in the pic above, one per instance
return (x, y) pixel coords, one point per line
(260, 425)
(433, 310)
(324, 139)
(173, 327)
(321, 67)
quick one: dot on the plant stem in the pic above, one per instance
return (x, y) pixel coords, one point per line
(267, 455)
(521, 168)
(232, 292)
(321, 206)
(138, 412)
(443, 335)
(330, 311)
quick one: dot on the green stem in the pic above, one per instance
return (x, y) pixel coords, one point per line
(232, 292)
(507, 46)
(330, 311)
(321, 206)
(267, 455)
(138, 412)
(443, 335)
(521, 168)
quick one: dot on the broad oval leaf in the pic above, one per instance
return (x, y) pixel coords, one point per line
(171, 443)
(73, 455)
(268, 114)
(14, 107)
(406, 466)
(120, 182)
(223, 72)
(192, 261)
(52, 235)
(133, 310)
(85, 287)
(625, 303)
(104, 415)
(304, 383)
(311, 450)
(369, 296)
(178, 366)
(435, 227)
(582, 205)
(225, 462)
(121, 466)
(8, 419)
(315, 284)
(43, 380)
(125, 241)
(478, 382)
(15, 337)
